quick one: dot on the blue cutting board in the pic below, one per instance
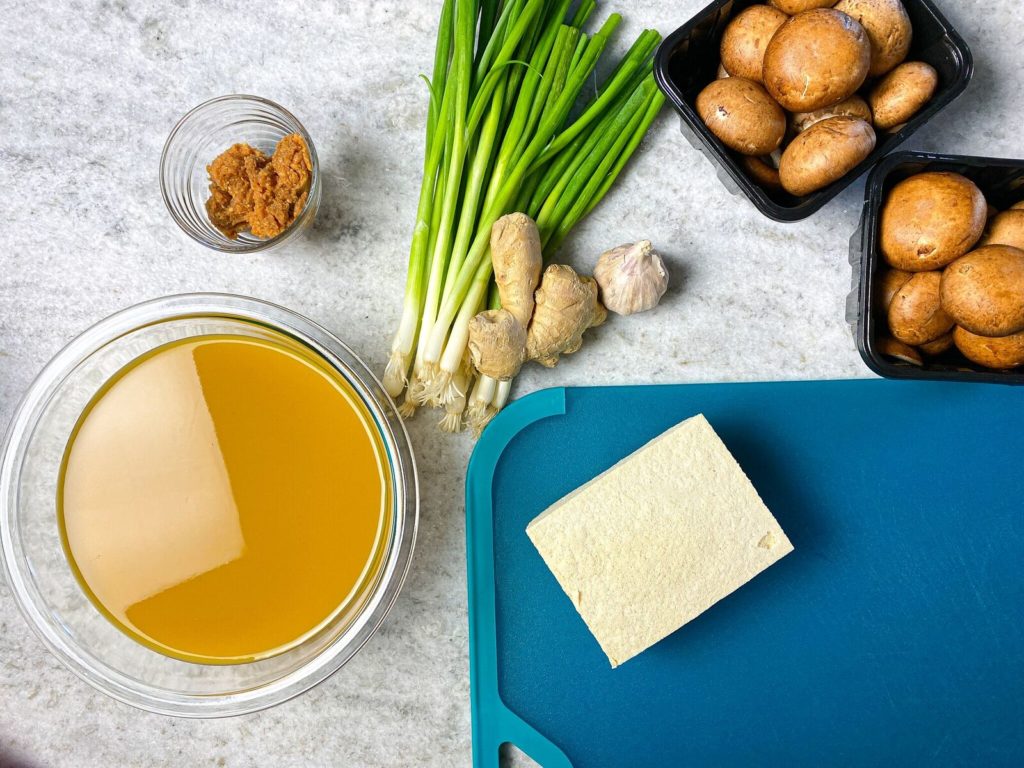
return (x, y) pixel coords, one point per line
(892, 636)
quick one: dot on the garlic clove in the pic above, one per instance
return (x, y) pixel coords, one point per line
(632, 278)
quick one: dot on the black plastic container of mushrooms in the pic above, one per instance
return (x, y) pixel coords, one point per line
(936, 205)
(691, 59)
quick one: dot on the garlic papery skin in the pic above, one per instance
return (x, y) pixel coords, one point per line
(632, 278)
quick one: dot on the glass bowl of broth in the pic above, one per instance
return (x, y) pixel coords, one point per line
(208, 504)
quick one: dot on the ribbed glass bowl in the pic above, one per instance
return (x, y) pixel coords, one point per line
(43, 583)
(205, 132)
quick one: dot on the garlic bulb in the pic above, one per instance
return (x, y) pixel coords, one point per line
(632, 278)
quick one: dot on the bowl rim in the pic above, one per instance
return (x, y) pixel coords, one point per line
(394, 571)
(312, 200)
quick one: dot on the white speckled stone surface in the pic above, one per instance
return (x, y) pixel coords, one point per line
(88, 93)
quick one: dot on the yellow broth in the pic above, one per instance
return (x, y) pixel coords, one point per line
(222, 498)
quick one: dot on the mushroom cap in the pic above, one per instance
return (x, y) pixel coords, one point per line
(905, 353)
(854, 106)
(799, 6)
(816, 59)
(763, 172)
(1018, 206)
(1006, 228)
(825, 152)
(888, 284)
(1001, 353)
(902, 93)
(888, 27)
(916, 315)
(930, 220)
(742, 114)
(746, 38)
(942, 344)
(984, 290)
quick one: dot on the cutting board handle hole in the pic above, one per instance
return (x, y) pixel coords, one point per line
(511, 756)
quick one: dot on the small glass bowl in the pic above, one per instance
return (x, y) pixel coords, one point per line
(43, 583)
(205, 132)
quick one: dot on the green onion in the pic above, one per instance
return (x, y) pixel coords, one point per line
(507, 76)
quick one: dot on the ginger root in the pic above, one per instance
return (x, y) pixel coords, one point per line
(497, 337)
(516, 258)
(497, 343)
(566, 305)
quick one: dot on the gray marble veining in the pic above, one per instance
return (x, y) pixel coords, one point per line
(88, 93)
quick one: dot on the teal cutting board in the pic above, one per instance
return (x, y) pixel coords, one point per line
(892, 636)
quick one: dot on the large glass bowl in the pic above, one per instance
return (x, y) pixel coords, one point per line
(43, 583)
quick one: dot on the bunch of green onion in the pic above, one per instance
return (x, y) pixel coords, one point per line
(508, 130)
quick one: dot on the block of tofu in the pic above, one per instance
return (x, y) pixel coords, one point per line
(658, 539)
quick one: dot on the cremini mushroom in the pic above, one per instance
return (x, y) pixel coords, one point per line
(854, 106)
(888, 27)
(825, 152)
(902, 93)
(764, 170)
(742, 114)
(888, 283)
(905, 353)
(1006, 228)
(746, 38)
(931, 219)
(816, 59)
(941, 345)
(1001, 353)
(916, 315)
(799, 6)
(984, 290)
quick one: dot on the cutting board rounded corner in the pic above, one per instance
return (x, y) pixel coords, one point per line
(513, 419)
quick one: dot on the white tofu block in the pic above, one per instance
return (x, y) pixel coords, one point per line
(658, 539)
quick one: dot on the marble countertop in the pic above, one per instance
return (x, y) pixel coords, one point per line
(88, 93)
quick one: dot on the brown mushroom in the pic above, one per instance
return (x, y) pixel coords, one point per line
(854, 106)
(745, 39)
(888, 283)
(793, 7)
(742, 114)
(888, 27)
(816, 59)
(941, 345)
(984, 290)
(902, 93)
(916, 315)
(825, 152)
(905, 353)
(930, 220)
(763, 171)
(1001, 353)
(1005, 228)
(1018, 206)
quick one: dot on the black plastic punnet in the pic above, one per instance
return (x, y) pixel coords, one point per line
(1002, 182)
(688, 60)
